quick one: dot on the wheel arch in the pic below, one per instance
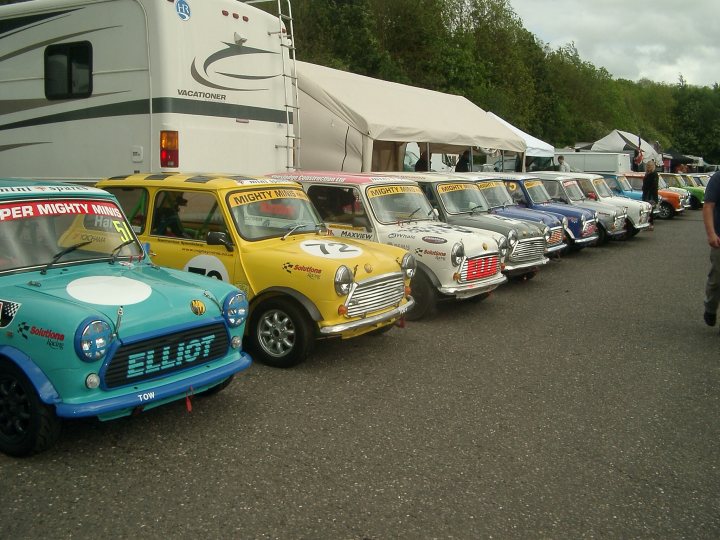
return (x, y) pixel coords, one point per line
(305, 302)
(45, 389)
(428, 273)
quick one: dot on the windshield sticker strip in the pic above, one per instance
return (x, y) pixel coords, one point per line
(447, 188)
(380, 191)
(239, 199)
(23, 210)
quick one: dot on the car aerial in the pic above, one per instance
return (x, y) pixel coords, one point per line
(501, 203)
(675, 180)
(459, 201)
(669, 203)
(452, 262)
(563, 187)
(265, 237)
(595, 188)
(670, 199)
(90, 327)
(528, 192)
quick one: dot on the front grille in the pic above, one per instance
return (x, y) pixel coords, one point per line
(376, 294)
(556, 237)
(528, 250)
(158, 356)
(479, 268)
(590, 228)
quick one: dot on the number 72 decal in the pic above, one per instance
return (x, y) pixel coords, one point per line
(330, 249)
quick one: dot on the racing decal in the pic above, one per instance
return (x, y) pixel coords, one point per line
(31, 209)
(380, 191)
(8, 310)
(207, 265)
(329, 249)
(512, 186)
(447, 188)
(310, 178)
(239, 199)
(259, 181)
(434, 240)
(310, 271)
(108, 290)
(532, 183)
(439, 255)
(183, 10)
(53, 189)
(598, 181)
(53, 339)
(401, 235)
(568, 183)
(486, 185)
(361, 235)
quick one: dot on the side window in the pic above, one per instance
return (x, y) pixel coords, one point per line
(187, 215)
(68, 70)
(134, 202)
(340, 205)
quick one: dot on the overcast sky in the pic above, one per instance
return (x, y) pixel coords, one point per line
(656, 40)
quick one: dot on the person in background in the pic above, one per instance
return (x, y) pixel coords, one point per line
(562, 166)
(711, 219)
(463, 164)
(422, 163)
(650, 189)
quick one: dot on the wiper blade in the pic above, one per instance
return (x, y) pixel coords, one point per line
(116, 251)
(62, 253)
(413, 213)
(294, 228)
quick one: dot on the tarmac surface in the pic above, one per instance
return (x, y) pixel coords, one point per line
(583, 403)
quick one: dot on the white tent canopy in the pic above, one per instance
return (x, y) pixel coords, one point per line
(535, 147)
(620, 141)
(354, 123)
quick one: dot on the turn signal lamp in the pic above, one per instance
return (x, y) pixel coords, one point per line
(169, 149)
(342, 310)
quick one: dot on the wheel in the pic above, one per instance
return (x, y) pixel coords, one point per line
(281, 334)
(695, 202)
(27, 425)
(631, 229)
(217, 388)
(425, 296)
(666, 211)
(602, 235)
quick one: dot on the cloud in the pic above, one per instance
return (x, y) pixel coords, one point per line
(657, 40)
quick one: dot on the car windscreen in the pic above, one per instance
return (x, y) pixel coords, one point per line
(601, 188)
(393, 203)
(63, 231)
(461, 198)
(537, 192)
(573, 190)
(496, 194)
(269, 212)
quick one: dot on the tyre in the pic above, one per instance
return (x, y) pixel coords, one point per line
(631, 229)
(27, 425)
(666, 211)
(281, 334)
(602, 235)
(217, 388)
(695, 203)
(425, 296)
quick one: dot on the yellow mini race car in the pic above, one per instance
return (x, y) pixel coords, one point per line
(266, 238)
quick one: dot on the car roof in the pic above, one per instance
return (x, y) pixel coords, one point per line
(347, 178)
(193, 182)
(11, 188)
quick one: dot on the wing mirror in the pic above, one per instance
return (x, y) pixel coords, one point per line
(219, 239)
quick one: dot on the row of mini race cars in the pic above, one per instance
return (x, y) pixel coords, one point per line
(149, 290)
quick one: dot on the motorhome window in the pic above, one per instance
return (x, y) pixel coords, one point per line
(68, 70)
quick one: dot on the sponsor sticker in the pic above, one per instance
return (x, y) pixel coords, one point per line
(183, 9)
(434, 240)
(486, 185)
(242, 198)
(8, 310)
(32, 209)
(381, 191)
(447, 188)
(532, 183)
(310, 271)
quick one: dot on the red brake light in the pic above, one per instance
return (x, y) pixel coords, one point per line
(169, 149)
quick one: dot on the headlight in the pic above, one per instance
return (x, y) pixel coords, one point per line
(512, 238)
(343, 280)
(503, 248)
(565, 222)
(546, 233)
(408, 265)
(235, 309)
(457, 254)
(92, 340)
(596, 217)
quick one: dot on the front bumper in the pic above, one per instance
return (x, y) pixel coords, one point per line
(469, 290)
(372, 320)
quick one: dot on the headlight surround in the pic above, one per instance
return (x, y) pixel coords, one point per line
(565, 222)
(408, 265)
(343, 280)
(235, 309)
(546, 233)
(512, 238)
(457, 254)
(92, 340)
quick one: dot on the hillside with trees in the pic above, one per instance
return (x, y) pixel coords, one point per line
(480, 49)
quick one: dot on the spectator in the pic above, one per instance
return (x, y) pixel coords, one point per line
(711, 218)
(650, 189)
(463, 164)
(562, 166)
(422, 163)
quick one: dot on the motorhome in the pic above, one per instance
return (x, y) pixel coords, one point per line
(597, 162)
(97, 88)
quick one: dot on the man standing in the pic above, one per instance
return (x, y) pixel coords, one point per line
(562, 166)
(650, 189)
(711, 218)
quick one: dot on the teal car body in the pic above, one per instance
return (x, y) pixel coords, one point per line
(89, 327)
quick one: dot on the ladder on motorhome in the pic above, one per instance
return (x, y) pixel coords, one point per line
(286, 35)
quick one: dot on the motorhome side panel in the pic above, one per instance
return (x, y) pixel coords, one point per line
(218, 80)
(74, 89)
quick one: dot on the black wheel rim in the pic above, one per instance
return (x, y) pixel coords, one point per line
(14, 408)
